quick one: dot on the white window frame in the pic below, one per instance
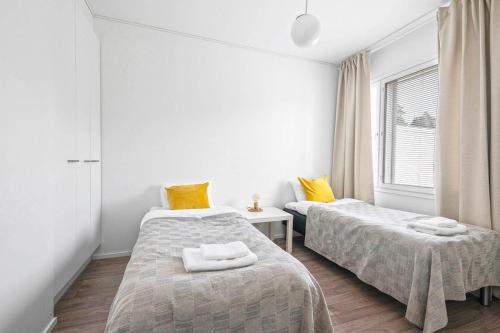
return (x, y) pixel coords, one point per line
(380, 186)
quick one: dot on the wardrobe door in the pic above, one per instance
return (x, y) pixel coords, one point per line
(84, 81)
(95, 148)
(66, 167)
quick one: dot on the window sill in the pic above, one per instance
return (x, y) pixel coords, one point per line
(406, 193)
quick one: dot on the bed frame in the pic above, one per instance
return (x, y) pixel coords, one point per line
(299, 221)
(299, 225)
(486, 296)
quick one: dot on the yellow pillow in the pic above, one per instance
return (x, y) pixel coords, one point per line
(317, 189)
(193, 196)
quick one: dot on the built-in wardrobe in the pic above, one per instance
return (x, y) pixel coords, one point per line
(77, 229)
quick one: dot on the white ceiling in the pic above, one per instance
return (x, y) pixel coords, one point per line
(347, 26)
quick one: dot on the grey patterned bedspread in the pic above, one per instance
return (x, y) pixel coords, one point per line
(419, 270)
(277, 294)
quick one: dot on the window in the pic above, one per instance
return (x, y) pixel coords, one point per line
(408, 128)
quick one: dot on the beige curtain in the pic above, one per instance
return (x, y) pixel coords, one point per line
(352, 175)
(468, 136)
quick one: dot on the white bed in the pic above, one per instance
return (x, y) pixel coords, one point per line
(277, 293)
(419, 270)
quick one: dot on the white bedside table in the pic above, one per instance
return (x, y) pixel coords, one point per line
(272, 214)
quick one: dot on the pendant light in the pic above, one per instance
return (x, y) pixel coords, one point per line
(305, 30)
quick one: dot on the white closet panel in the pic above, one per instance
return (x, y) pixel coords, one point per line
(64, 143)
(77, 228)
(84, 79)
(95, 147)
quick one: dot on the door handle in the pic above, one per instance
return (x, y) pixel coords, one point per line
(91, 161)
(73, 161)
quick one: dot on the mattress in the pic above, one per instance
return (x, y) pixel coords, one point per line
(419, 270)
(277, 294)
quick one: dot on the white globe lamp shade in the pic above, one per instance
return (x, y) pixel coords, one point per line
(305, 30)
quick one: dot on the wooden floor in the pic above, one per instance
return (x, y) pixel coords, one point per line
(354, 306)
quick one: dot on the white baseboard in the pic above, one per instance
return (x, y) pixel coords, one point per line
(50, 326)
(111, 255)
(68, 284)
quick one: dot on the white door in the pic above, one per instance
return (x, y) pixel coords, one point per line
(66, 166)
(95, 148)
(84, 91)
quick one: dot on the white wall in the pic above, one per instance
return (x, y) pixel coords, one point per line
(180, 109)
(416, 48)
(33, 91)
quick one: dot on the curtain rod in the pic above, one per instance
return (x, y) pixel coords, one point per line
(401, 32)
(407, 29)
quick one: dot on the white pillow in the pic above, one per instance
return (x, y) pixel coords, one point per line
(298, 190)
(163, 194)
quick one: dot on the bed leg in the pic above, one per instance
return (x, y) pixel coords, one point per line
(485, 296)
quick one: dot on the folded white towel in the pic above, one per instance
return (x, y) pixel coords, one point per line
(438, 221)
(194, 262)
(432, 230)
(231, 250)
